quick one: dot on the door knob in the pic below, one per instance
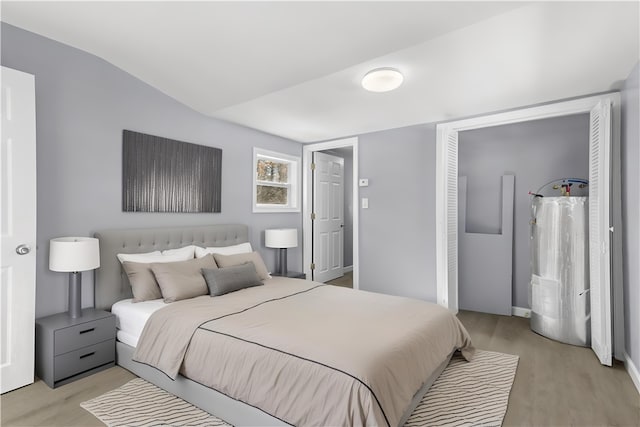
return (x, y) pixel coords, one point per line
(23, 249)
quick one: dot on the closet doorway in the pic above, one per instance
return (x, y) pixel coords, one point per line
(330, 214)
(604, 194)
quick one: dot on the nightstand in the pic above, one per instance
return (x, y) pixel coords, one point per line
(292, 275)
(68, 349)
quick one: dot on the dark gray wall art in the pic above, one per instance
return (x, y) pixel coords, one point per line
(165, 175)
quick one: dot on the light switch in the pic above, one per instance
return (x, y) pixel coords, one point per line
(364, 182)
(365, 203)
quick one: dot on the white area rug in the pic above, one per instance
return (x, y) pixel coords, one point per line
(472, 393)
(139, 403)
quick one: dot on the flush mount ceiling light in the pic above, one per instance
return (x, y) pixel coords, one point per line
(382, 80)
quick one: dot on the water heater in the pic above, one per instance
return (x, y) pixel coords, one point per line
(559, 287)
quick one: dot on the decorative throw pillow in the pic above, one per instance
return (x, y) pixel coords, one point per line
(138, 270)
(224, 250)
(143, 284)
(230, 279)
(182, 280)
(238, 259)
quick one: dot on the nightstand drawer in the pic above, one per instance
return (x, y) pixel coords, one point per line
(82, 335)
(90, 357)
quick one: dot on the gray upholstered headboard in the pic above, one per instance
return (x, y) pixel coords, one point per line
(111, 284)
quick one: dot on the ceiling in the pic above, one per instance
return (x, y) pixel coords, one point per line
(294, 68)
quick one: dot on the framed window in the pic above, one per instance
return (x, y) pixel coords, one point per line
(276, 179)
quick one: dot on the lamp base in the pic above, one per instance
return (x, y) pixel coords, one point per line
(283, 262)
(75, 294)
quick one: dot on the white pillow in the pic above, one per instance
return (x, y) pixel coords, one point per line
(169, 255)
(241, 248)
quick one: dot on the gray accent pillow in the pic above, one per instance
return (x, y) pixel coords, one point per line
(143, 285)
(230, 279)
(224, 261)
(182, 280)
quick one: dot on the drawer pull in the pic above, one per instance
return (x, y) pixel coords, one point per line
(87, 355)
(87, 330)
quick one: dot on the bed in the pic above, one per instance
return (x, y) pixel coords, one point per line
(289, 345)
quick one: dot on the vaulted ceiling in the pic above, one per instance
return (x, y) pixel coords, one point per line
(294, 68)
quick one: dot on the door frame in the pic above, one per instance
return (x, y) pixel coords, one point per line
(447, 295)
(307, 202)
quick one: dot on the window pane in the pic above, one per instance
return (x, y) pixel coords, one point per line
(268, 195)
(270, 170)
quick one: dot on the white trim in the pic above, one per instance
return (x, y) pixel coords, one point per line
(307, 182)
(564, 108)
(347, 268)
(617, 316)
(521, 312)
(632, 370)
(556, 109)
(293, 185)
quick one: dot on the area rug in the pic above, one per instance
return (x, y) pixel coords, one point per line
(472, 393)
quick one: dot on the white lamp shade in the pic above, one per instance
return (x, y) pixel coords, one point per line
(74, 254)
(281, 238)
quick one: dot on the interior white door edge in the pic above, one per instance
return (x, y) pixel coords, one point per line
(328, 217)
(18, 229)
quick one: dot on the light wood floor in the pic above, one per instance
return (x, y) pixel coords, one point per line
(556, 384)
(345, 281)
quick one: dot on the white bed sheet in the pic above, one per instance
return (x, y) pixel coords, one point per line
(131, 318)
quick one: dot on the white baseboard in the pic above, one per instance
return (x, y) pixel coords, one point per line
(521, 312)
(632, 370)
(347, 268)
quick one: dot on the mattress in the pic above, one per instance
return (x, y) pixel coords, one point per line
(131, 318)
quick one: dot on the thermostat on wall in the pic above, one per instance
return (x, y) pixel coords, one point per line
(364, 182)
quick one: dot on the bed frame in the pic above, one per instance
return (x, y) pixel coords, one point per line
(112, 285)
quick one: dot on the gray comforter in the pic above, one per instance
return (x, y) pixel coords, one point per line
(307, 353)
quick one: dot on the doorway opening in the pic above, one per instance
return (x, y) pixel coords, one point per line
(604, 209)
(498, 167)
(330, 217)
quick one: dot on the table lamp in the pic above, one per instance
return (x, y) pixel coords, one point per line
(74, 255)
(281, 238)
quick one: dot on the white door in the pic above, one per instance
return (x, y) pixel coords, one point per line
(447, 221)
(328, 225)
(599, 238)
(18, 226)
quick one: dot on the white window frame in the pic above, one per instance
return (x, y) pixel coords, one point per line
(293, 185)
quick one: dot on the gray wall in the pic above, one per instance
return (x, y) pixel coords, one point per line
(536, 153)
(82, 105)
(630, 153)
(397, 232)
